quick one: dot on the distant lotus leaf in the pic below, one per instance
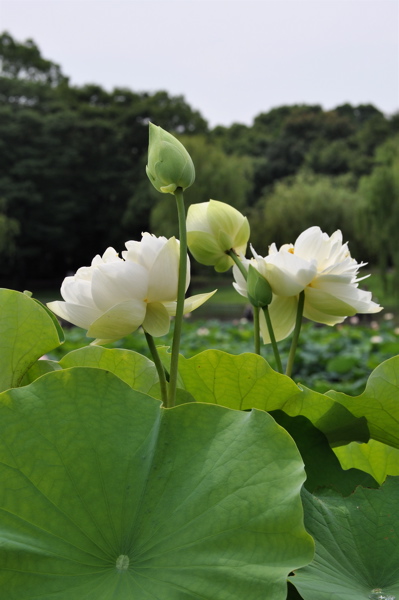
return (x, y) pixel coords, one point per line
(379, 402)
(247, 381)
(104, 495)
(357, 545)
(375, 458)
(28, 330)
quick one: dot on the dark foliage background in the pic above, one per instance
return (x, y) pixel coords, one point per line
(72, 170)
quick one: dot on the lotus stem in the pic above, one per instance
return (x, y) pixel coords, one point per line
(159, 367)
(238, 263)
(273, 339)
(255, 310)
(297, 330)
(181, 291)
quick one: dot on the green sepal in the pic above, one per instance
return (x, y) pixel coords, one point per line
(258, 288)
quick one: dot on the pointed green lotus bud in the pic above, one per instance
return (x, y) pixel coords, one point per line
(214, 228)
(258, 288)
(169, 164)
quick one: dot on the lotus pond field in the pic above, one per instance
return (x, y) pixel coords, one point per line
(341, 357)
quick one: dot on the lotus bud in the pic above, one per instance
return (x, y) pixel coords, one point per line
(214, 228)
(169, 164)
(258, 288)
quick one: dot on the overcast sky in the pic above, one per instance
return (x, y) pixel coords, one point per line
(231, 59)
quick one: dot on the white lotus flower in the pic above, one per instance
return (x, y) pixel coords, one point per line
(114, 296)
(321, 266)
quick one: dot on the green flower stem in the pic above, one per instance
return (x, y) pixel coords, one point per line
(273, 339)
(255, 310)
(239, 264)
(159, 367)
(297, 330)
(181, 291)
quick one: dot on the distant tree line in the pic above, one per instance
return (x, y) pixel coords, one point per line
(72, 170)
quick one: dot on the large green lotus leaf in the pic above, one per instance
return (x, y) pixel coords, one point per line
(322, 467)
(134, 369)
(107, 496)
(357, 544)
(247, 381)
(28, 331)
(379, 402)
(375, 458)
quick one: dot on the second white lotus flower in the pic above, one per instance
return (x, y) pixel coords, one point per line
(115, 296)
(322, 267)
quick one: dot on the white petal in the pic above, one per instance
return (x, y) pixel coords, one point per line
(118, 321)
(77, 291)
(164, 273)
(322, 317)
(145, 251)
(241, 290)
(272, 250)
(241, 285)
(194, 302)
(256, 255)
(287, 273)
(151, 246)
(85, 273)
(346, 264)
(157, 320)
(110, 255)
(133, 252)
(338, 250)
(117, 282)
(197, 218)
(313, 243)
(282, 313)
(82, 316)
(190, 304)
(359, 300)
(321, 302)
(343, 271)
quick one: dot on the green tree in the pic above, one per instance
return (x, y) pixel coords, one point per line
(301, 202)
(333, 158)
(289, 138)
(9, 230)
(72, 162)
(24, 61)
(379, 209)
